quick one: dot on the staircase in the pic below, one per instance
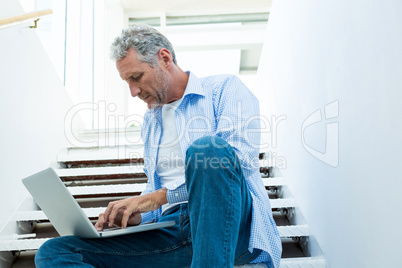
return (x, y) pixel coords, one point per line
(95, 176)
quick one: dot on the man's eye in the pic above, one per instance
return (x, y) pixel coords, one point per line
(136, 78)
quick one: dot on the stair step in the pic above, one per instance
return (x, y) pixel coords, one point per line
(282, 203)
(112, 153)
(94, 212)
(118, 155)
(251, 265)
(133, 171)
(124, 164)
(275, 181)
(304, 262)
(116, 190)
(100, 153)
(105, 172)
(22, 244)
(108, 190)
(27, 261)
(102, 190)
(35, 243)
(40, 215)
(293, 230)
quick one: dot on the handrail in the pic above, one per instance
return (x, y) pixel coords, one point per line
(34, 16)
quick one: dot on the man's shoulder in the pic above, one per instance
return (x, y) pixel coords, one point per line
(216, 84)
(218, 79)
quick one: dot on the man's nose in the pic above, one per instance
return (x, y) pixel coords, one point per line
(134, 90)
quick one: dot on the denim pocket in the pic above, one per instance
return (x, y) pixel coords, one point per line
(185, 230)
(248, 257)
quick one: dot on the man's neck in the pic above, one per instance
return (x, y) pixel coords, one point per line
(179, 85)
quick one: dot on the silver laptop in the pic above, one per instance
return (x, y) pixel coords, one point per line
(66, 215)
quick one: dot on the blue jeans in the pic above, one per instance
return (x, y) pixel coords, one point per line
(212, 230)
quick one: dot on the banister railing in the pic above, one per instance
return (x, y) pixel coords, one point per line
(20, 19)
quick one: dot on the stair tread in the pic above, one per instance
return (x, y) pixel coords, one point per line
(275, 181)
(293, 230)
(100, 153)
(38, 215)
(283, 203)
(131, 169)
(27, 260)
(136, 188)
(35, 243)
(107, 189)
(303, 262)
(93, 171)
(108, 170)
(120, 152)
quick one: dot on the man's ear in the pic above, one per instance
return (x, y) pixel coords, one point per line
(165, 57)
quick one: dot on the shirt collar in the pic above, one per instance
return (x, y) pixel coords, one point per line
(193, 85)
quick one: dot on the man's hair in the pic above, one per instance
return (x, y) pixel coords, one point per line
(145, 40)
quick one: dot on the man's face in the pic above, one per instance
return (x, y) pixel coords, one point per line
(149, 84)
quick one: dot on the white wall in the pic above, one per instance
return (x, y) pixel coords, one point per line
(109, 87)
(33, 104)
(347, 53)
(52, 29)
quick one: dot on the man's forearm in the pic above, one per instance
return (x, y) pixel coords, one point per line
(160, 196)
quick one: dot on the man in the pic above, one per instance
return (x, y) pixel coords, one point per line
(201, 159)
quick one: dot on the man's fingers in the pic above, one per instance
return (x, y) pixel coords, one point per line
(120, 213)
(125, 218)
(108, 210)
(99, 224)
(116, 211)
(110, 214)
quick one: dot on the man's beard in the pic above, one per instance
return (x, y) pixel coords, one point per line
(163, 84)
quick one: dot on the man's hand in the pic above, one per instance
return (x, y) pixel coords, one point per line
(134, 219)
(128, 211)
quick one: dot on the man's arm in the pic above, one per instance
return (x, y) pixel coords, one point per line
(238, 121)
(128, 211)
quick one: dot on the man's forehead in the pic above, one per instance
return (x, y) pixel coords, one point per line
(129, 66)
(129, 61)
(131, 54)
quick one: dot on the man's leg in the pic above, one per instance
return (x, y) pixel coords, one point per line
(219, 205)
(167, 247)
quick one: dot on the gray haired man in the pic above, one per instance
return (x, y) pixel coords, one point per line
(200, 152)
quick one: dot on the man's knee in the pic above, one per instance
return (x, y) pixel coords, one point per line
(52, 248)
(210, 152)
(208, 145)
(44, 252)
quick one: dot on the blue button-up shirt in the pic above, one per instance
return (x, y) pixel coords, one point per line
(223, 106)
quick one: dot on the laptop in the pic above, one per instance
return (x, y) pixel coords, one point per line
(63, 211)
